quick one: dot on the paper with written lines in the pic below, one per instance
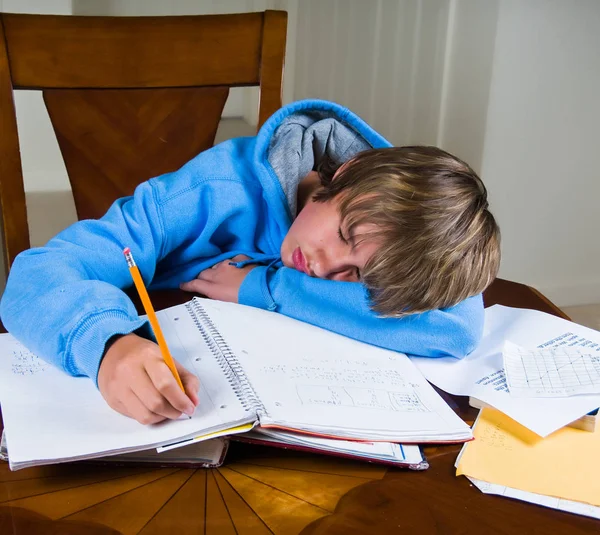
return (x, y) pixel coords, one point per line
(51, 417)
(481, 374)
(311, 380)
(551, 372)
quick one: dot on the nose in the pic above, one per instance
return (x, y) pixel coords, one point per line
(322, 263)
(332, 264)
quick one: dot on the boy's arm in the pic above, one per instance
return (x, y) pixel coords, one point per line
(343, 307)
(65, 300)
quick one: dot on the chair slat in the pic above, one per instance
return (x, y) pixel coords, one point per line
(49, 51)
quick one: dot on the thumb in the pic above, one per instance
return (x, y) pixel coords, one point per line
(191, 383)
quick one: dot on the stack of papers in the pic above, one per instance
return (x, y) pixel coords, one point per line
(559, 471)
(482, 375)
(404, 455)
(541, 373)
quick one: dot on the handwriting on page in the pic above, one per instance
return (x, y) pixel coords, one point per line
(337, 375)
(365, 398)
(24, 362)
(347, 386)
(495, 437)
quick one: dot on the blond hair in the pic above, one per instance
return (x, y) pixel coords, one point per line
(438, 242)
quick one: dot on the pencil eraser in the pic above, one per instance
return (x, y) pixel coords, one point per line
(127, 250)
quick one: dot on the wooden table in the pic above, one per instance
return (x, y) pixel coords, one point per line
(264, 490)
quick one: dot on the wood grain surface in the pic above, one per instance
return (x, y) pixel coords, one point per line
(261, 490)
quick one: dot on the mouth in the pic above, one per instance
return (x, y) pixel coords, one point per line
(299, 261)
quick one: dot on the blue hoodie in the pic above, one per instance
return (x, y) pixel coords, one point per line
(65, 300)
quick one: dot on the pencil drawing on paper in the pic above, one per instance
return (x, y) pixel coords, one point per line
(550, 372)
(363, 398)
(24, 362)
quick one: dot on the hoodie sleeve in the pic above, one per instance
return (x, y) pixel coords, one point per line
(343, 307)
(64, 301)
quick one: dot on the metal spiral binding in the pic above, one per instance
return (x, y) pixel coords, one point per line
(226, 359)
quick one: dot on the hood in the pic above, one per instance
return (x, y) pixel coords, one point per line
(295, 139)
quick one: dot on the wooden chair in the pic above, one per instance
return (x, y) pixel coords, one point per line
(129, 98)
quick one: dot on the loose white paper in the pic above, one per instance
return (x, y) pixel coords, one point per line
(568, 506)
(481, 373)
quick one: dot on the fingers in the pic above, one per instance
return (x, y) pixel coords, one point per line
(163, 395)
(152, 398)
(191, 383)
(203, 283)
(138, 410)
(120, 408)
(151, 403)
(198, 286)
(135, 381)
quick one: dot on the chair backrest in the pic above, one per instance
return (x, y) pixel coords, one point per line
(129, 98)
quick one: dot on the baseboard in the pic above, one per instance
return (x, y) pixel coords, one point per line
(573, 294)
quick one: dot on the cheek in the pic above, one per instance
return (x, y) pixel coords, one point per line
(298, 229)
(292, 239)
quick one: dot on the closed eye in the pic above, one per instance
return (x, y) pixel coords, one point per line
(341, 236)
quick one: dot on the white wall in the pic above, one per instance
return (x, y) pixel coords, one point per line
(541, 145)
(468, 65)
(382, 58)
(509, 85)
(55, 7)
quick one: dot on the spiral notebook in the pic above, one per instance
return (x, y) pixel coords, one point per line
(255, 368)
(207, 454)
(388, 453)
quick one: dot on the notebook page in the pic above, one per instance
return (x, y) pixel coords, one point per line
(314, 380)
(51, 416)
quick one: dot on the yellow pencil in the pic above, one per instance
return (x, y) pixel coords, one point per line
(139, 284)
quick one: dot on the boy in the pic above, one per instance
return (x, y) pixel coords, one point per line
(251, 221)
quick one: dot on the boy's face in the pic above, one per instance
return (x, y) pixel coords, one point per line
(318, 245)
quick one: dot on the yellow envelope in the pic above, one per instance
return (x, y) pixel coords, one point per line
(565, 464)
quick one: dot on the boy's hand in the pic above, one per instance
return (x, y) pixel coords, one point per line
(135, 381)
(221, 281)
